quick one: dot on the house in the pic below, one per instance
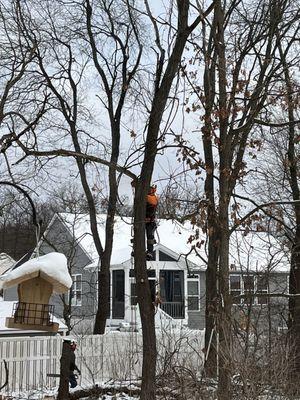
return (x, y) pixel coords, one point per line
(173, 273)
(177, 273)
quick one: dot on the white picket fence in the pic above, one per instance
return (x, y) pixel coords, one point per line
(114, 356)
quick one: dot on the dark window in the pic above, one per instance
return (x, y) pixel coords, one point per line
(235, 288)
(118, 294)
(193, 295)
(131, 273)
(171, 286)
(262, 287)
(133, 296)
(249, 289)
(165, 257)
(150, 272)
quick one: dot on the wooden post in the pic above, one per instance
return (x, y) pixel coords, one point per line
(63, 390)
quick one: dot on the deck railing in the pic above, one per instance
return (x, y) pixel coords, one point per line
(174, 309)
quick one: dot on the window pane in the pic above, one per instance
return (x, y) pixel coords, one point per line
(234, 294)
(133, 297)
(165, 257)
(193, 288)
(134, 301)
(249, 283)
(193, 303)
(76, 290)
(235, 282)
(262, 284)
(262, 287)
(261, 300)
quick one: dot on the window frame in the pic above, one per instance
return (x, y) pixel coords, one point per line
(132, 283)
(246, 291)
(239, 300)
(197, 280)
(75, 302)
(253, 290)
(263, 291)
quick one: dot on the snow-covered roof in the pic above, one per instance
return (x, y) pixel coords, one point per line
(6, 310)
(170, 234)
(6, 262)
(258, 251)
(52, 267)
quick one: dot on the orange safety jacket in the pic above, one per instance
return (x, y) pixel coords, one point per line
(152, 202)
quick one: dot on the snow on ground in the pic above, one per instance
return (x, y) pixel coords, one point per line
(210, 395)
(52, 265)
(118, 396)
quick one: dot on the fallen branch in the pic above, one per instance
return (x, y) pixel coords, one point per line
(97, 391)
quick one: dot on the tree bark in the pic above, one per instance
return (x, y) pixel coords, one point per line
(224, 315)
(63, 389)
(294, 277)
(144, 299)
(159, 102)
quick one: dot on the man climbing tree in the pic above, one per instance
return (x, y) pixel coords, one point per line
(150, 220)
(150, 223)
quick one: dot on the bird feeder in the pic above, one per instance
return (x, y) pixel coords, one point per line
(37, 279)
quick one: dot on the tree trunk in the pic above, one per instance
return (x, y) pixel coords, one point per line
(294, 282)
(144, 299)
(211, 304)
(294, 304)
(142, 184)
(224, 321)
(63, 389)
(103, 308)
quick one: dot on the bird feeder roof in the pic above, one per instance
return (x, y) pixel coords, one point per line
(52, 267)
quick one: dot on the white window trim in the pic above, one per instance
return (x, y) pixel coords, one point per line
(74, 301)
(241, 287)
(257, 294)
(255, 290)
(194, 295)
